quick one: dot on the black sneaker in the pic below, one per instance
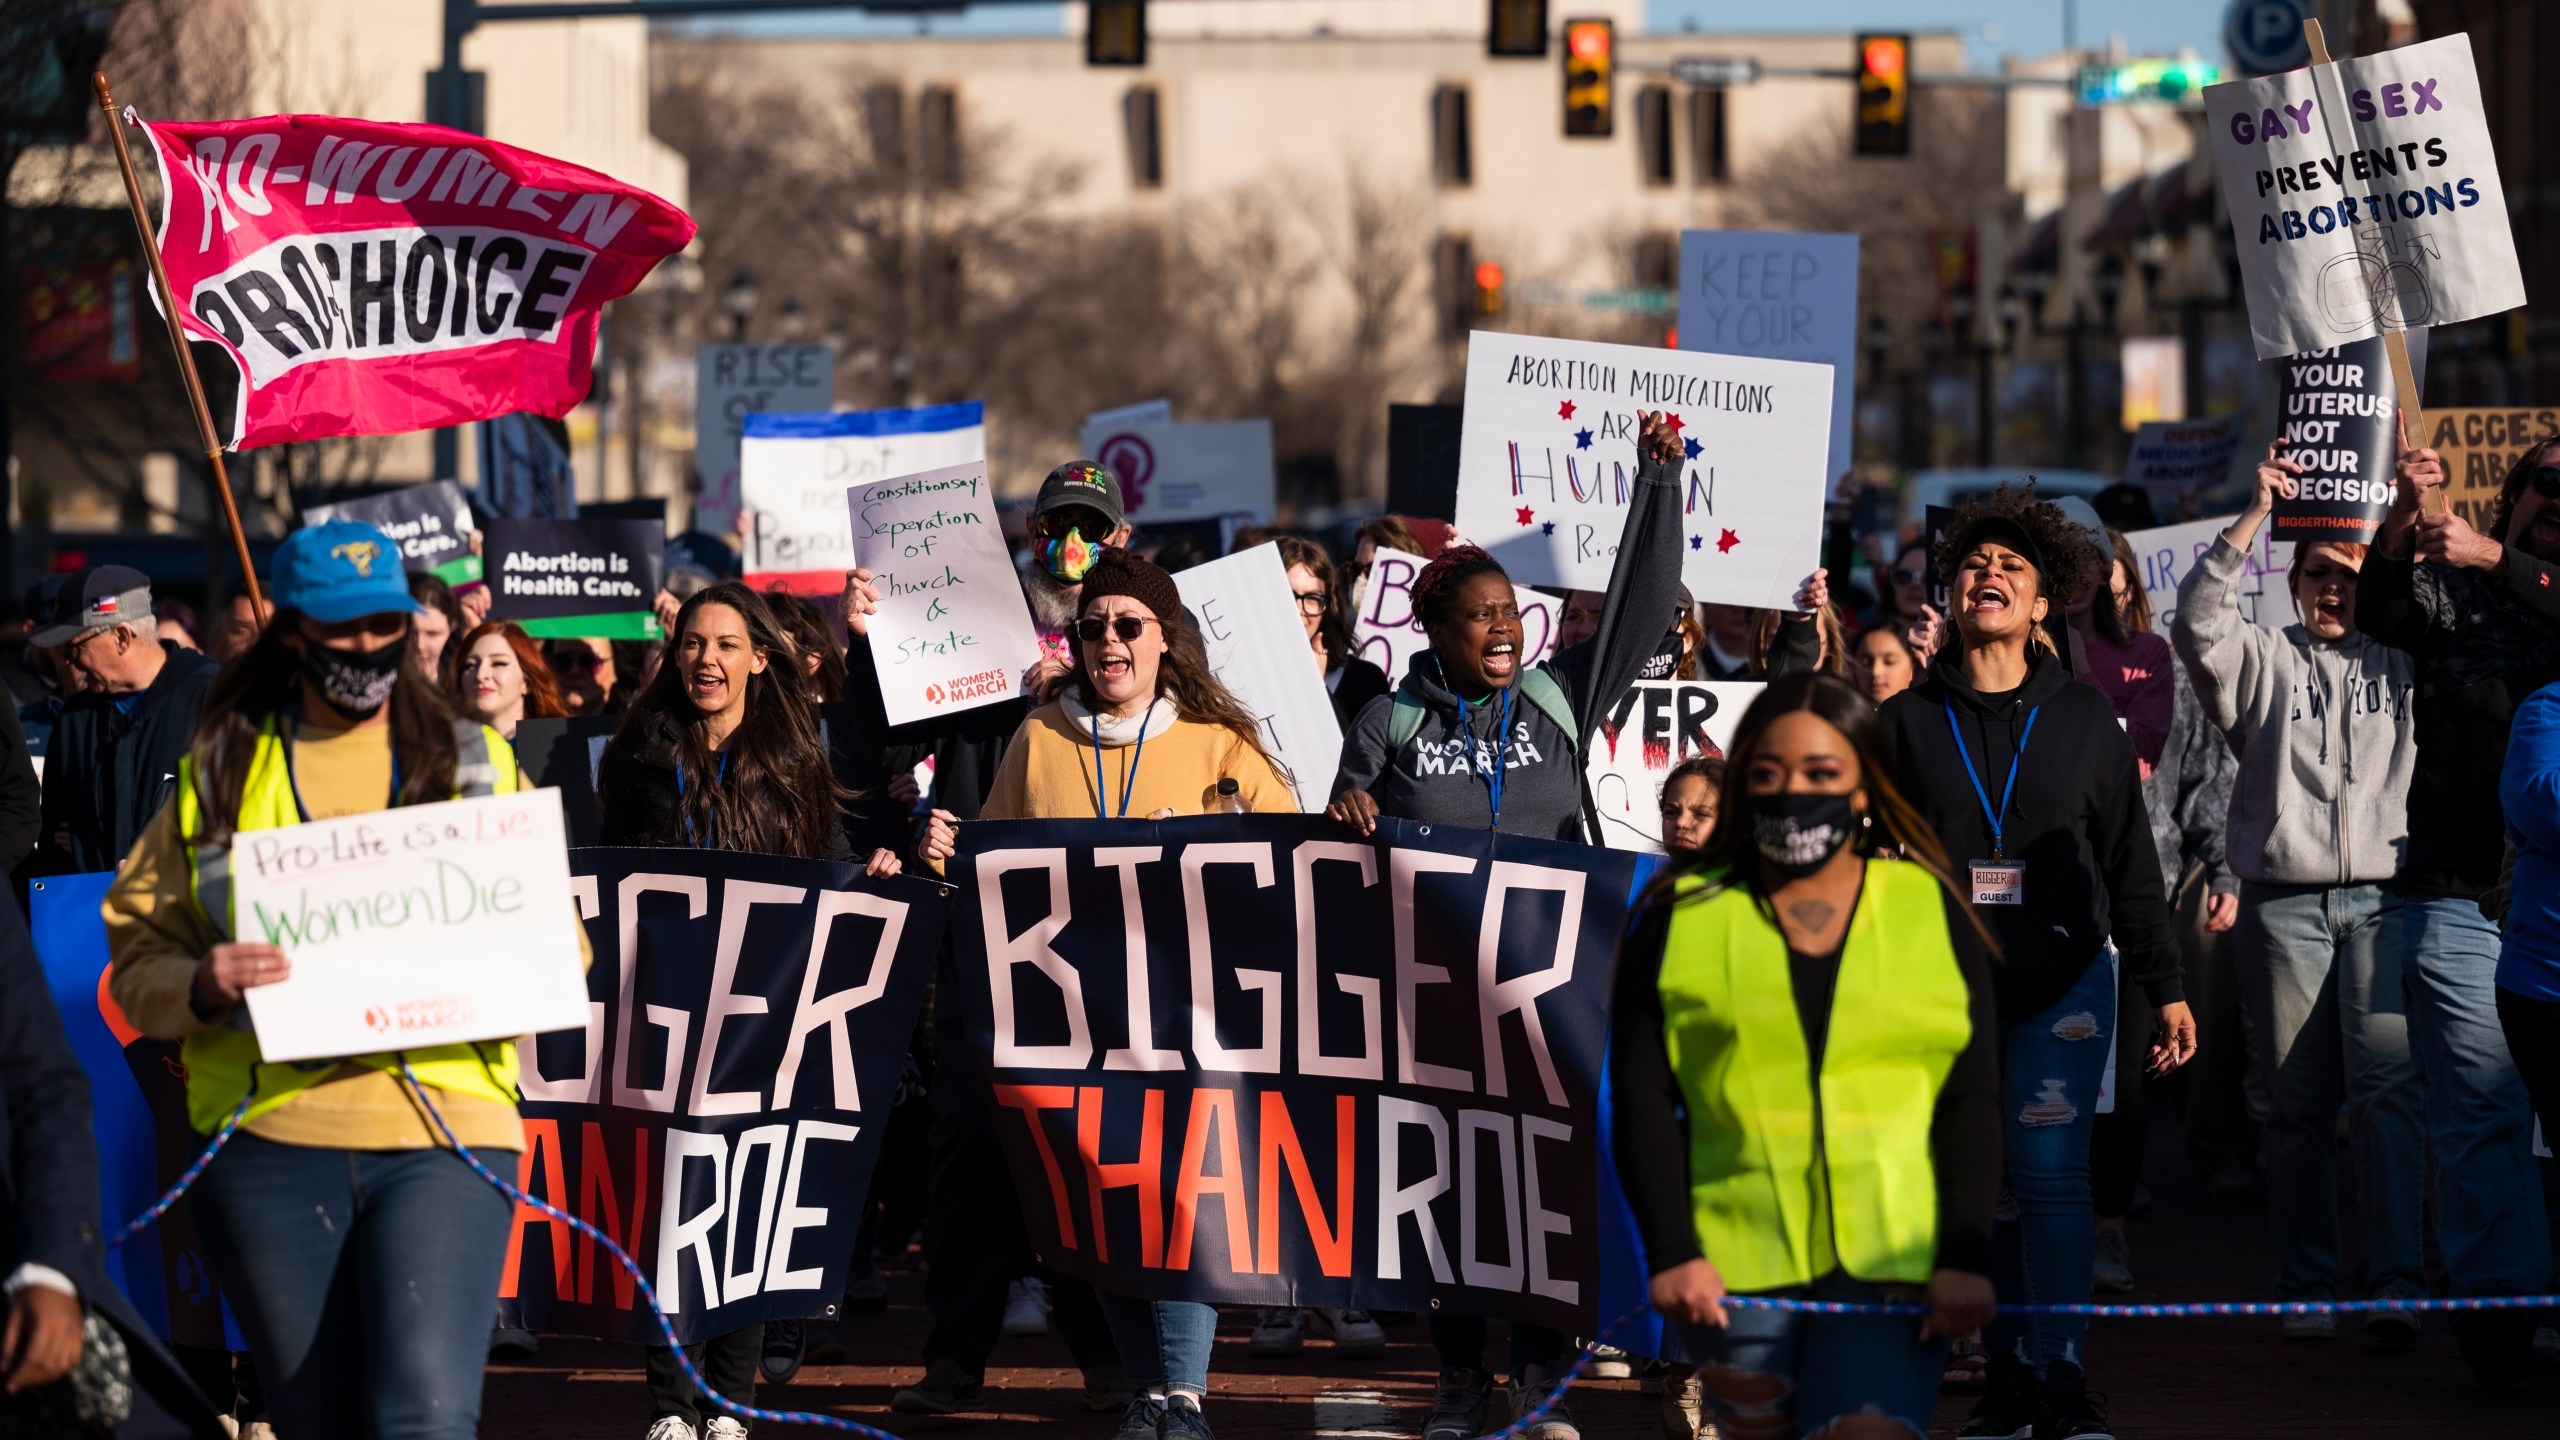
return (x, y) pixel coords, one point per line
(1143, 1420)
(943, 1391)
(2072, 1411)
(783, 1342)
(2008, 1408)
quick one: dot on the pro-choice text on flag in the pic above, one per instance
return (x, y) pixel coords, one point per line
(372, 278)
(1263, 1060)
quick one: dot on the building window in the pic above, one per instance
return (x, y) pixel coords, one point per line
(884, 117)
(1452, 153)
(938, 136)
(1453, 280)
(1141, 115)
(1706, 135)
(1658, 261)
(1653, 133)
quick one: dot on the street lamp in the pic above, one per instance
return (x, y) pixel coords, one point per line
(795, 320)
(741, 305)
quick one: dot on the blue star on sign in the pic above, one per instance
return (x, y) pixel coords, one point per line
(1581, 439)
(1693, 447)
(1697, 542)
(1547, 527)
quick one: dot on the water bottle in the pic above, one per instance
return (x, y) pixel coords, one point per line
(1229, 801)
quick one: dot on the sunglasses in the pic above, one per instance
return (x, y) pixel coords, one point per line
(2545, 481)
(1127, 627)
(1055, 524)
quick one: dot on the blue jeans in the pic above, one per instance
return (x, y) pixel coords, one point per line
(2321, 972)
(2042, 1247)
(1165, 1343)
(1768, 1367)
(2489, 1218)
(363, 1281)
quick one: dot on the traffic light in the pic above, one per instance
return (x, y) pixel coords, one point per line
(1884, 95)
(1517, 30)
(1488, 288)
(1115, 32)
(1588, 60)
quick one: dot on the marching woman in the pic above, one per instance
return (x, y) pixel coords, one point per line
(1473, 737)
(503, 680)
(1804, 1057)
(360, 1256)
(2025, 775)
(1142, 729)
(721, 752)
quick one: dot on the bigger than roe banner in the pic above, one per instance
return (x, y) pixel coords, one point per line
(373, 279)
(721, 1109)
(1259, 1060)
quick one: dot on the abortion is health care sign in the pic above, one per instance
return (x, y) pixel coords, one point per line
(2364, 196)
(410, 928)
(1547, 463)
(952, 631)
(795, 470)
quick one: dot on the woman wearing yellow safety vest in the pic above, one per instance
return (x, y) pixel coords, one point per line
(361, 1259)
(1804, 1061)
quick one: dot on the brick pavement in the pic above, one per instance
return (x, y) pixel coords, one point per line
(2185, 1378)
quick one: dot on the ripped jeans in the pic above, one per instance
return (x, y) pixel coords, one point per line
(1800, 1374)
(2041, 1246)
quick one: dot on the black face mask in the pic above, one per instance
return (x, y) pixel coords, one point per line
(1798, 834)
(355, 682)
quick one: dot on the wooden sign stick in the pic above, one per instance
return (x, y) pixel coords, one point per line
(2395, 343)
(186, 357)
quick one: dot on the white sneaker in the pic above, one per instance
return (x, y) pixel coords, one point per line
(724, 1427)
(1278, 1332)
(1354, 1335)
(257, 1430)
(670, 1427)
(1608, 1362)
(1026, 1308)
(2316, 1325)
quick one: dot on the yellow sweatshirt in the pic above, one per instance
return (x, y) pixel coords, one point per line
(157, 936)
(1048, 770)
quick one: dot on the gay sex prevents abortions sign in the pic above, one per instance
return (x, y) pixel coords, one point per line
(412, 928)
(719, 1101)
(795, 470)
(1548, 461)
(2364, 197)
(953, 631)
(1259, 1060)
(373, 279)
(563, 578)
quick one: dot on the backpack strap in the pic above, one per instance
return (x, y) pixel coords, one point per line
(1404, 721)
(1538, 686)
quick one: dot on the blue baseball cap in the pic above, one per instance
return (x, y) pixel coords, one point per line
(339, 570)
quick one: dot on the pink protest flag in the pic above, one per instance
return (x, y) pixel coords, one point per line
(373, 279)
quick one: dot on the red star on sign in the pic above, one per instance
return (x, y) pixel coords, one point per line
(1726, 542)
(1565, 411)
(1523, 515)
(1673, 421)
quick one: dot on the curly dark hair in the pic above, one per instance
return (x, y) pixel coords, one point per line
(2072, 566)
(1436, 588)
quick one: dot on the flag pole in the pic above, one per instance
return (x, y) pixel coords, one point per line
(186, 357)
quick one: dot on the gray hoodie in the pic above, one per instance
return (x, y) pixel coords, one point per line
(2322, 731)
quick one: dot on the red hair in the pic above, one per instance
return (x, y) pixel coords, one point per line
(541, 689)
(1438, 583)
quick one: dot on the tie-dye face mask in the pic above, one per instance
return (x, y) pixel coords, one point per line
(1068, 556)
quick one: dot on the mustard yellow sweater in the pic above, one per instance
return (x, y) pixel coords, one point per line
(1048, 771)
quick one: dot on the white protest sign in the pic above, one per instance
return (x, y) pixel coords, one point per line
(2168, 553)
(796, 469)
(1187, 469)
(409, 928)
(1388, 634)
(1547, 463)
(1782, 295)
(953, 630)
(2169, 458)
(1249, 619)
(731, 382)
(2364, 197)
(1653, 727)
(1145, 412)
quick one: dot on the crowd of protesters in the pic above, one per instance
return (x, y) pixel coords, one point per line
(1975, 874)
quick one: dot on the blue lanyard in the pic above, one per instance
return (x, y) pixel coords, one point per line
(1128, 781)
(1501, 753)
(721, 779)
(290, 724)
(2007, 790)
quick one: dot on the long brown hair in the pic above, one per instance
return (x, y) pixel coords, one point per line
(1835, 640)
(779, 795)
(1333, 629)
(806, 626)
(1729, 856)
(264, 682)
(1198, 695)
(541, 688)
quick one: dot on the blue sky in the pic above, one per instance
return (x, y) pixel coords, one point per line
(1992, 27)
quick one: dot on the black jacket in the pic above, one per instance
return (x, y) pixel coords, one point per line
(2482, 640)
(1354, 683)
(107, 773)
(639, 790)
(49, 1204)
(21, 797)
(2076, 822)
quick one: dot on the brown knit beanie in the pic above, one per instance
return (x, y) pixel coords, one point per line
(1120, 573)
